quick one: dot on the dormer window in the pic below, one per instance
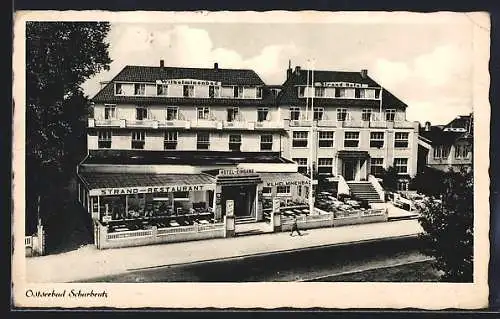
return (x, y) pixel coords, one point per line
(258, 94)
(302, 91)
(319, 91)
(188, 91)
(213, 91)
(139, 89)
(118, 89)
(238, 91)
(162, 89)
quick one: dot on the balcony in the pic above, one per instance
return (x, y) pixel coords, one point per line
(100, 122)
(327, 123)
(301, 122)
(268, 125)
(237, 122)
(145, 123)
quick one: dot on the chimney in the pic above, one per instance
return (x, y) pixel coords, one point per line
(364, 73)
(297, 70)
(427, 126)
(289, 71)
(216, 66)
(162, 63)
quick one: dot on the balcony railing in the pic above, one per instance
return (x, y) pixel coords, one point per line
(269, 125)
(238, 122)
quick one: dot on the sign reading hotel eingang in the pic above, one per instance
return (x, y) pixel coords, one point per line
(237, 171)
(188, 82)
(150, 189)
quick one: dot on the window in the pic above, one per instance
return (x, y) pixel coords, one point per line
(359, 93)
(262, 114)
(325, 165)
(462, 151)
(302, 91)
(366, 114)
(138, 139)
(282, 190)
(203, 141)
(118, 89)
(234, 142)
(162, 89)
(377, 139)
(238, 91)
(139, 89)
(340, 92)
(170, 142)
(401, 139)
(258, 94)
(181, 195)
(402, 185)
(266, 191)
(141, 113)
(232, 114)
(377, 166)
(351, 139)
(377, 94)
(299, 139)
(318, 113)
(299, 190)
(401, 165)
(441, 151)
(203, 112)
(294, 113)
(188, 90)
(172, 113)
(213, 91)
(390, 115)
(109, 112)
(325, 139)
(104, 139)
(341, 114)
(319, 91)
(266, 142)
(302, 164)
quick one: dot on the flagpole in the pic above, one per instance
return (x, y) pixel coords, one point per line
(313, 145)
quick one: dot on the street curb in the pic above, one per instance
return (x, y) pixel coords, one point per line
(278, 252)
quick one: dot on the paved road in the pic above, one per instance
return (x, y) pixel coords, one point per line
(304, 265)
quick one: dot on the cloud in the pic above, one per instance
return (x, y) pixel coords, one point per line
(440, 66)
(186, 46)
(391, 73)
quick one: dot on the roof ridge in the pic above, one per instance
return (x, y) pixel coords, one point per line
(185, 67)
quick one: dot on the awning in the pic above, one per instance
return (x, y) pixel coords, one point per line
(353, 154)
(101, 184)
(239, 180)
(284, 179)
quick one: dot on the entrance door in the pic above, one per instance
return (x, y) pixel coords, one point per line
(241, 195)
(349, 169)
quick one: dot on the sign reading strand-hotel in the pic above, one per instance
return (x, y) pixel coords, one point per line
(150, 189)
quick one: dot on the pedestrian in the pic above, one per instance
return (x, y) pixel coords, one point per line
(295, 227)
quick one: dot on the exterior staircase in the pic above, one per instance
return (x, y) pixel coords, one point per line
(244, 220)
(364, 190)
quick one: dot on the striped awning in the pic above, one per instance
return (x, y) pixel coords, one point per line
(238, 180)
(102, 184)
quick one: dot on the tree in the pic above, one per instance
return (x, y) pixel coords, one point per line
(390, 179)
(60, 56)
(429, 181)
(448, 227)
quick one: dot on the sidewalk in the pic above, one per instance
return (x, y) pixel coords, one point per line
(88, 262)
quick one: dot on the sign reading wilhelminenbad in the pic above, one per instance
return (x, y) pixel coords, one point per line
(150, 189)
(288, 183)
(188, 82)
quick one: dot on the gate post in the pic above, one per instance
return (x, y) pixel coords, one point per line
(276, 216)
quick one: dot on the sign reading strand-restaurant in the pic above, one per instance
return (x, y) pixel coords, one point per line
(188, 82)
(150, 189)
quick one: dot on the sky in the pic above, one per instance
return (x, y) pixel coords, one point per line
(428, 64)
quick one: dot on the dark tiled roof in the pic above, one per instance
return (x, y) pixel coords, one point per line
(462, 121)
(289, 94)
(205, 158)
(439, 137)
(95, 180)
(132, 73)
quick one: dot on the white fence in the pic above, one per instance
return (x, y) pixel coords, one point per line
(156, 235)
(340, 218)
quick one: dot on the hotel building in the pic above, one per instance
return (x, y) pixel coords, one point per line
(169, 141)
(354, 126)
(447, 146)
